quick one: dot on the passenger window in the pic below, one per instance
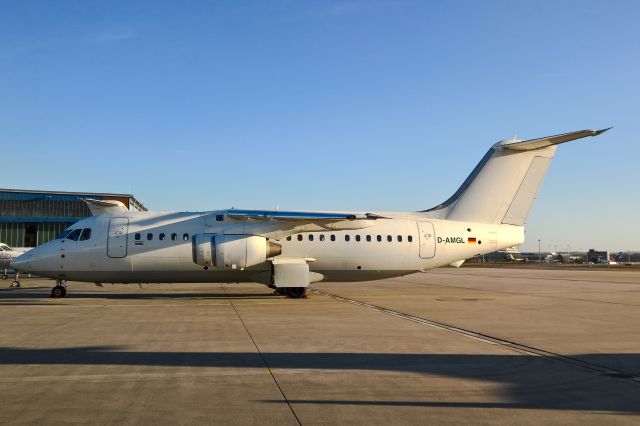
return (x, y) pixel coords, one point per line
(136, 236)
(149, 236)
(399, 238)
(289, 238)
(347, 237)
(369, 238)
(174, 236)
(299, 237)
(389, 238)
(219, 217)
(321, 237)
(310, 237)
(357, 237)
(161, 237)
(410, 238)
(86, 234)
(379, 238)
(333, 237)
(73, 235)
(185, 237)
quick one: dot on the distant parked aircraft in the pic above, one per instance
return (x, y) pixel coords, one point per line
(288, 250)
(7, 254)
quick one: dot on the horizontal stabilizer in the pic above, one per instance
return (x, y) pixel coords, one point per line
(548, 140)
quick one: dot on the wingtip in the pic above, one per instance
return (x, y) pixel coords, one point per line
(599, 132)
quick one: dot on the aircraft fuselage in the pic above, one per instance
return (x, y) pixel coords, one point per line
(157, 247)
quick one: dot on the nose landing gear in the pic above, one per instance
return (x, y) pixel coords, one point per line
(15, 283)
(59, 290)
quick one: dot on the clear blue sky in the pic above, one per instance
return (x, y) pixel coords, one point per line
(367, 105)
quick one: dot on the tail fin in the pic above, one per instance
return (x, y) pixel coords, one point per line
(502, 187)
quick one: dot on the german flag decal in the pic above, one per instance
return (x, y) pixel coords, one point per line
(471, 240)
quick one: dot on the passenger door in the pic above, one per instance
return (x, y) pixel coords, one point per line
(427, 240)
(117, 237)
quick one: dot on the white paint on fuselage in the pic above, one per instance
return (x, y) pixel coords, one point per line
(340, 260)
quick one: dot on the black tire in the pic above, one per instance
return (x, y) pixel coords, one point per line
(15, 284)
(282, 291)
(58, 292)
(296, 292)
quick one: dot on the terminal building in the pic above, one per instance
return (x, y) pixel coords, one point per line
(29, 218)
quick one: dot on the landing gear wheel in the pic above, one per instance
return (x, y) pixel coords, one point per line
(282, 291)
(15, 284)
(58, 292)
(296, 292)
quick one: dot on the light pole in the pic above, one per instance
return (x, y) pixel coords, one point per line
(539, 252)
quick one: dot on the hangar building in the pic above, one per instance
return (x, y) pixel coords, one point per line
(29, 218)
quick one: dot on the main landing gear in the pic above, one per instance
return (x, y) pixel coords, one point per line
(59, 290)
(292, 292)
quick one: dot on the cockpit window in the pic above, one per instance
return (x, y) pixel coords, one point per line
(74, 235)
(86, 234)
(64, 234)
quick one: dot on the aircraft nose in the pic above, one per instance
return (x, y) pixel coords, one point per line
(22, 263)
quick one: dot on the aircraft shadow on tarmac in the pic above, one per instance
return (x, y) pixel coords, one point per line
(26, 296)
(530, 382)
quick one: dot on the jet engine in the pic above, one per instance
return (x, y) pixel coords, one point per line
(232, 251)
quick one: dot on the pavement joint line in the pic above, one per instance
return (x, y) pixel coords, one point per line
(545, 278)
(273, 377)
(518, 347)
(178, 375)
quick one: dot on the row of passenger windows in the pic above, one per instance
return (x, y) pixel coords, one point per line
(161, 236)
(347, 237)
(75, 234)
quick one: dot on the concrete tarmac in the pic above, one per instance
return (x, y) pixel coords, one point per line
(450, 346)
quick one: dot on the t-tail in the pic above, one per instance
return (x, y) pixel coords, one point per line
(502, 187)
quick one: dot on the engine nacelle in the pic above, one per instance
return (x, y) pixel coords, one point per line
(232, 251)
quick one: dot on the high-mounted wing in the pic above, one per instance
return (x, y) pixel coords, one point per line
(298, 216)
(279, 224)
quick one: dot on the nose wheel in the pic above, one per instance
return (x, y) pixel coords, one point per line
(15, 283)
(59, 290)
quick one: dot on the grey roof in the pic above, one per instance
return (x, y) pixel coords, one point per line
(134, 200)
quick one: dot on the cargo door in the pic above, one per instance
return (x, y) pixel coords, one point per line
(427, 238)
(117, 237)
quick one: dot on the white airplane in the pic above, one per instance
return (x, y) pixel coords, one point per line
(288, 250)
(7, 254)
